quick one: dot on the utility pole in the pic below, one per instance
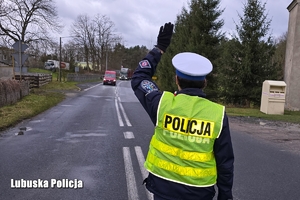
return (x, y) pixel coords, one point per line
(106, 60)
(20, 59)
(59, 59)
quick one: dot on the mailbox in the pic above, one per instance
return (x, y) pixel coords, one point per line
(273, 97)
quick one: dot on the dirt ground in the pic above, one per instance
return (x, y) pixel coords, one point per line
(286, 135)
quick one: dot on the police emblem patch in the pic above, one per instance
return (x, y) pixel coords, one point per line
(145, 64)
(148, 86)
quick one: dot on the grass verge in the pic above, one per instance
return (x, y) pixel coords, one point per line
(289, 116)
(29, 106)
(39, 100)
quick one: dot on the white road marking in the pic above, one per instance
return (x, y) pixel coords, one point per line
(130, 178)
(92, 87)
(37, 121)
(124, 114)
(95, 96)
(128, 135)
(92, 131)
(118, 113)
(88, 135)
(141, 160)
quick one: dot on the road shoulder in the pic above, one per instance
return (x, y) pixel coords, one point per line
(284, 134)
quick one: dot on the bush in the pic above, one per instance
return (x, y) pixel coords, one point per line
(11, 91)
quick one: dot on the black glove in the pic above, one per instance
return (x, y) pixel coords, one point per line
(164, 36)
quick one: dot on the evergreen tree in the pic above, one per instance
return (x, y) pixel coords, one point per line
(279, 56)
(230, 72)
(251, 63)
(196, 30)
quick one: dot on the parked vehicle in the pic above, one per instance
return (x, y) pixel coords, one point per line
(110, 78)
(54, 64)
(125, 73)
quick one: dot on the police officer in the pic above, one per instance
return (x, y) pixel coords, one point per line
(191, 150)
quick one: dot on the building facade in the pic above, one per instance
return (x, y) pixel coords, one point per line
(292, 58)
(6, 69)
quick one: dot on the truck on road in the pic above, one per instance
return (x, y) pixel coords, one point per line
(54, 65)
(125, 73)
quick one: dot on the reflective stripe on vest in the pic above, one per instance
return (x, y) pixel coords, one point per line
(181, 149)
(195, 156)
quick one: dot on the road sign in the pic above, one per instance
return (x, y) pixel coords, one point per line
(24, 69)
(23, 57)
(17, 47)
(20, 56)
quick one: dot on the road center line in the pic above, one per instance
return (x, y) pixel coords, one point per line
(128, 135)
(130, 178)
(118, 113)
(141, 160)
(124, 114)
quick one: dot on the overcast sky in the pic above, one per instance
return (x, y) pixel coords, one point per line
(138, 21)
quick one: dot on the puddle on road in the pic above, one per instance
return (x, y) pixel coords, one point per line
(71, 137)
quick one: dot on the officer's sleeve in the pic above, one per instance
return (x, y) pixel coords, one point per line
(144, 88)
(224, 157)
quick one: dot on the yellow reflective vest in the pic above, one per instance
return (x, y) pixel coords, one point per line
(181, 149)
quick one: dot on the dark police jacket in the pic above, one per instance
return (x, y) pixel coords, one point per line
(149, 96)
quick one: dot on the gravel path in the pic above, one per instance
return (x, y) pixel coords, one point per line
(286, 135)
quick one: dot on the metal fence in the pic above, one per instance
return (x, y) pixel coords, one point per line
(83, 77)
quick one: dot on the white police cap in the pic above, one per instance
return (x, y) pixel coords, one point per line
(191, 66)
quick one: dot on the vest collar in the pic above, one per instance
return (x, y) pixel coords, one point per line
(192, 92)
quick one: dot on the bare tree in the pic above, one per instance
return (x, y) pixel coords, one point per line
(82, 29)
(279, 56)
(106, 38)
(70, 53)
(27, 20)
(97, 37)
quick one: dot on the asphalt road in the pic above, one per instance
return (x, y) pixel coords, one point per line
(97, 140)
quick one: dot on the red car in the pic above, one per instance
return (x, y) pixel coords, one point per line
(110, 78)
